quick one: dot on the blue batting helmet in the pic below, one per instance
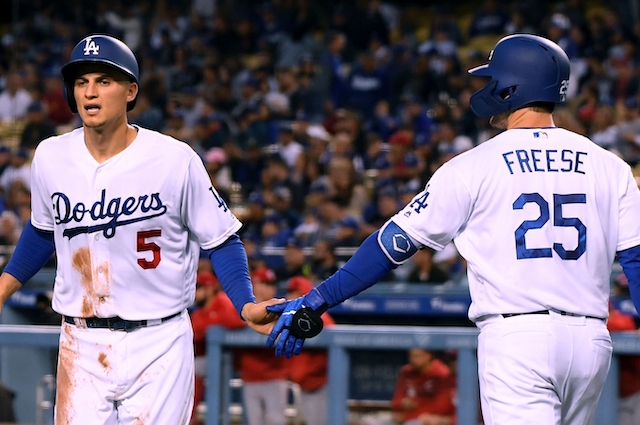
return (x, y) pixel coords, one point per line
(524, 68)
(102, 49)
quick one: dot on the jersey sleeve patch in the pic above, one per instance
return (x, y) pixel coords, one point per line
(396, 243)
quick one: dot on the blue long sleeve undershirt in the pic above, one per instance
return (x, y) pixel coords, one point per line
(229, 262)
(367, 266)
(630, 262)
(33, 250)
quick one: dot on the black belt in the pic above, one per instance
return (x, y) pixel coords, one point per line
(562, 313)
(114, 323)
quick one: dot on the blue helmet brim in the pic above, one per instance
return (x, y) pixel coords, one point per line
(481, 71)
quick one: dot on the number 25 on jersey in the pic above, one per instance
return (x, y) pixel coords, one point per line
(559, 220)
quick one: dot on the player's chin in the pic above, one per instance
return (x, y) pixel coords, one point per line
(92, 122)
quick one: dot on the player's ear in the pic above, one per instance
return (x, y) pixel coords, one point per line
(132, 93)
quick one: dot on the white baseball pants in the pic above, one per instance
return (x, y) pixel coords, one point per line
(542, 369)
(124, 378)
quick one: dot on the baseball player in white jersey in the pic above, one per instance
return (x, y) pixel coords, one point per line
(127, 211)
(539, 214)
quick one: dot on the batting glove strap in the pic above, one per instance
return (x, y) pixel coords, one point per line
(315, 301)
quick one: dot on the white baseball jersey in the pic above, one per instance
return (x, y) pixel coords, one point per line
(127, 231)
(539, 215)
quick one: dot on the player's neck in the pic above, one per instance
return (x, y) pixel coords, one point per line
(105, 143)
(528, 118)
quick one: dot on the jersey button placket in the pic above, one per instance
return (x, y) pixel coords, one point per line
(102, 290)
(97, 192)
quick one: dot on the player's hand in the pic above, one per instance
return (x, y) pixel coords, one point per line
(8, 286)
(259, 318)
(300, 319)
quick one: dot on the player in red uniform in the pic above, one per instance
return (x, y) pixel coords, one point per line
(425, 391)
(213, 308)
(309, 369)
(264, 375)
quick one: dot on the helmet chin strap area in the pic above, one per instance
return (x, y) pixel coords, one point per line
(523, 69)
(485, 103)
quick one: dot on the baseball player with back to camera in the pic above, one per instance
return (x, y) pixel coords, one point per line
(127, 211)
(539, 214)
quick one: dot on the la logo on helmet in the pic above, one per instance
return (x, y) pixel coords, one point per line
(90, 47)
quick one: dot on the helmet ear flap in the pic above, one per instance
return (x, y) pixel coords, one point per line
(484, 103)
(68, 94)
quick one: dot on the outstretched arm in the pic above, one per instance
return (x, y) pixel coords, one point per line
(229, 262)
(379, 254)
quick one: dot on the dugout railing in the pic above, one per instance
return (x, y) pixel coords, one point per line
(338, 340)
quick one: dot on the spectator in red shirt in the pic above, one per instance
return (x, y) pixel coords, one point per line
(400, 164)
(309, 369)
(424, 392)
(629, 387)
(264, 374)
(212, 307)
(53, 97)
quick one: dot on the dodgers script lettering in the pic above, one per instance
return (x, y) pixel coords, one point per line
(148, 206)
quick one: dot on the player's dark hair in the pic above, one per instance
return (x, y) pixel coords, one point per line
(547, 107)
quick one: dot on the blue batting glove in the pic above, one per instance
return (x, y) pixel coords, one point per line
(299, 319)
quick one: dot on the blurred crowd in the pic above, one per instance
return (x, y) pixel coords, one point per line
(315, 120)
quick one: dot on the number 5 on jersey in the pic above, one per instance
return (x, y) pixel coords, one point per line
(142, 245)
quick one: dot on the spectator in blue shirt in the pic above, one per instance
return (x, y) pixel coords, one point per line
(414, 115)
(253, 217)
(147, 114)
(381, 208)
(367, 85)
(331, 78)
(308, 97)
(489, 19)
(384, 122)
(400, 69)
(274, 234)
